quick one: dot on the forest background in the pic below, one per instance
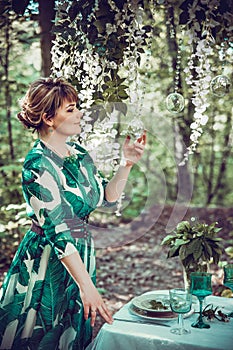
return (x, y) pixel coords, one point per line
(159, 184)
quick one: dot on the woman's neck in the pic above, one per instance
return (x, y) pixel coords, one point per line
(56, 144)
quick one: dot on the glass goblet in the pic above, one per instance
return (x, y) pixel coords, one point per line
(201, 288)
(180, 302)
(228, 279)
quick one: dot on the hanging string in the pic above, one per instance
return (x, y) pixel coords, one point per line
(175, 101)
(220, 85)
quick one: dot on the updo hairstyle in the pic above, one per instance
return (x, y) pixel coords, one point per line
(45, 95)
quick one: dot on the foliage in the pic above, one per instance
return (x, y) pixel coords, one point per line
(97, 37)
(111, 75)
(211, 312)
(194, 243)
(100, 39)
(13, 220)
(229, 251)
(213, 15)
(144, 70)
(19, 65)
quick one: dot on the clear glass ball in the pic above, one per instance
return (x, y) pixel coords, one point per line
(220, 85)
(175, 102)
(135, 128)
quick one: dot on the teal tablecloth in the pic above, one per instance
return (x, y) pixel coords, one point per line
(134, 336)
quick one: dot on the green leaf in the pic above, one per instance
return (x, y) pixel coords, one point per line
(167, 240)
(183, 226)
(195, 247)
(217, 250)
(198, 253)
(217, 229)
(174, 251)
(123, 94)
(217, 239)
(121, 107)
(206, 255)
(121, 87)
(207, 249)
(183, 253)
(179, 241)
(229, 251)
(188, 261)
(120, 81)
(113, 98)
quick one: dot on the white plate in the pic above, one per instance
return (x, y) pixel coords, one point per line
(145, 302)
(172, 316)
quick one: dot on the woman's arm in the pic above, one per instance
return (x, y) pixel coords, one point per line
(92, 301)
(132, 154)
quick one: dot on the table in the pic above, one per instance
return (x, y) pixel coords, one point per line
(134, 336)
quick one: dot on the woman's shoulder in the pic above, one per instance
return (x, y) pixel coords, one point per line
(38, 161)
(34, 155)
(38, 158)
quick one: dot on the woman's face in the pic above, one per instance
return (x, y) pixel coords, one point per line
(67, 119)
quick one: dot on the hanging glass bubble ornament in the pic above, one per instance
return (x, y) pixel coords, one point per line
(220, 85)
(135, 128)
(175, 101)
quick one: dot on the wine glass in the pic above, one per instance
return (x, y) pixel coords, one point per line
(180, 302)
(201, 288)
(228, 279)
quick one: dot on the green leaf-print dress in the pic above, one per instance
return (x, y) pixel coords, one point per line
(40, 302)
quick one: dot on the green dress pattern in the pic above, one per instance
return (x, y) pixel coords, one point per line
(40, 305)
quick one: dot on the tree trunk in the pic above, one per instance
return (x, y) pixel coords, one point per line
(184, 182)
(7, 88)
(46, 16)
(223, 166)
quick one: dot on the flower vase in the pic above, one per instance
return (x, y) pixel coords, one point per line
(202, 267)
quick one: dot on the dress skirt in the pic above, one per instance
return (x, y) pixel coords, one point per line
(40, 302)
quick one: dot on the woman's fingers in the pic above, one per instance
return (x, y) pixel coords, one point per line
(86, 312)
(127, 141)
(142, 138)
(138, 145)
(93, 317)
(105, 313)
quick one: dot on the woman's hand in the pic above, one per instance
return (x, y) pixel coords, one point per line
(92, 300)
(93, 303)
(133, 152)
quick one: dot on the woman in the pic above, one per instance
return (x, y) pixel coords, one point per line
(49, 299)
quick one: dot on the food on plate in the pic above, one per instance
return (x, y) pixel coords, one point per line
(157, 305)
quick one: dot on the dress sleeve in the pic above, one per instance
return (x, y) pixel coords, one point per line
(99, 176)
(104, 182)
(48, 206)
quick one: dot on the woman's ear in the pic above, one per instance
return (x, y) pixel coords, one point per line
(47, 120)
